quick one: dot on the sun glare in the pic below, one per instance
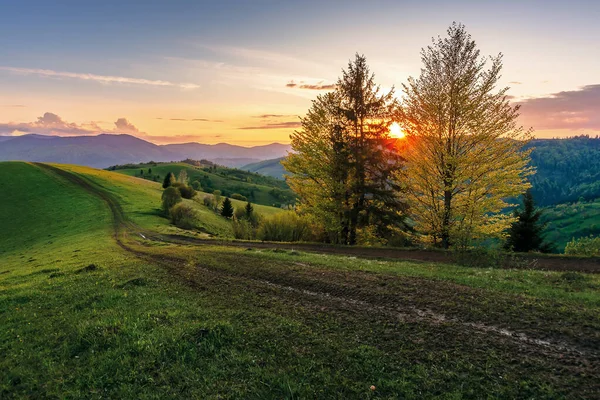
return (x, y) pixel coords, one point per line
(396, 131)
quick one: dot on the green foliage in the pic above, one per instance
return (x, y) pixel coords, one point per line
(169, 180)
(238, 196)
(184, 216)
(210, 202)
(464, 155)
(170, 197)
(565, 222)
(526, 233)
(567, 170)
(182, 177)
(227, 208)
(197, 185)
(243, 229)
(284, 227)
(187, 192)
(217, 198)
(586, 246)
(249, 210)
(343, 159)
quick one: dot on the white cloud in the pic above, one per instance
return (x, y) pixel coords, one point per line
(106, 79)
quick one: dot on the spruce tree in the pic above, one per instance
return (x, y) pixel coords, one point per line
(227, 209)
(249, 210)
(525, 233)
(169, 180)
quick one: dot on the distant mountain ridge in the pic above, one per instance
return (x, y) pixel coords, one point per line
(104, 150)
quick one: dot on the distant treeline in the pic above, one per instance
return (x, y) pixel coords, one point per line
(568, 170)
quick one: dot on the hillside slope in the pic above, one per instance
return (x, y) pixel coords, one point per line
(267, 167)
(256, 188)
(92, 306)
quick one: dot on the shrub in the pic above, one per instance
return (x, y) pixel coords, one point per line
(187, 192)
(170, 197)
(284, 227)
(585, 246)
(183, 216)
(209, 202)
(238, 196)
(197, 185)
(243, 229)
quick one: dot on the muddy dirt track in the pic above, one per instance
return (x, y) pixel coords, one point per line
(532, 338)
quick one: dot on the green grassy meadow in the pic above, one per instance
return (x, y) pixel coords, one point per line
(257, 188)
(571, 221)
(90, 309)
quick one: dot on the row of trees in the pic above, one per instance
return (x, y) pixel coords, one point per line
(448, 181)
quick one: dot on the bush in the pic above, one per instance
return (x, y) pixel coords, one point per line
(585, 246)
(238, 196)
(197, 185)
(284, 227)
(243, 229)
(209, 202)
(170, 197)
(187, 192)
(184, 216)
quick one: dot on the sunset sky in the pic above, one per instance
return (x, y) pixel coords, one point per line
(242, 72)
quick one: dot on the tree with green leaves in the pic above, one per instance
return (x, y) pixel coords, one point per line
(526, 233)
(343, 159)
(227, 208)
(169, 180)
(170, 197)
(465, 149)
(182, 177)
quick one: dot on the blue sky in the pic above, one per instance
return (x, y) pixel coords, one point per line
(207, 71)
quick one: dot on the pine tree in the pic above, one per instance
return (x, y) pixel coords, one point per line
(227, 209)
(342, 163)
(249, 210)
(465, 149)
(169, 180)
(525, 234)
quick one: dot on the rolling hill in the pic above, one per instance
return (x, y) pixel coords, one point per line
(256, 188)
(271, 168)
(104, 150)
(97, 301)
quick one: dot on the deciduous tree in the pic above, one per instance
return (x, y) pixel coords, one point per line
(464, 155)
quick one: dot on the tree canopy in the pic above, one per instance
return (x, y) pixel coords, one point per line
(465, 155)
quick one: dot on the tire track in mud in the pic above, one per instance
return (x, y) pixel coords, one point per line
(403, 313)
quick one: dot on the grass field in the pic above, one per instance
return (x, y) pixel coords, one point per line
(568, 221)
(91, 309)
(258, 189)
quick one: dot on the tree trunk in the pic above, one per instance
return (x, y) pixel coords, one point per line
(446, 219)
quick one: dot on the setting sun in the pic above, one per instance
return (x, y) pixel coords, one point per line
(396, 131)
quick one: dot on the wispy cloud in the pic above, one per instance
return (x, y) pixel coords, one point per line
(317, 86)
(14, 106)
(574, 110)
(106, 79)
(265, 116)
(275, 125)
(191, 119)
